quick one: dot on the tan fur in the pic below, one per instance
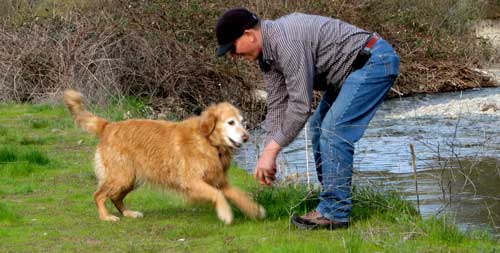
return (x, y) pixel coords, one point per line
(190, 157)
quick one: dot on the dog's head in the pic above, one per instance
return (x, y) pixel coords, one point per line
(222, 125)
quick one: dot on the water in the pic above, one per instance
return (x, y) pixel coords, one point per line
(457, 146)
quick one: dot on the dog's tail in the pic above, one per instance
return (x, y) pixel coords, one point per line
(82, 117)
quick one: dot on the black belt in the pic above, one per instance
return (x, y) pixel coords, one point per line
(365, 53)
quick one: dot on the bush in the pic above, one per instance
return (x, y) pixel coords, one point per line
(163, 51)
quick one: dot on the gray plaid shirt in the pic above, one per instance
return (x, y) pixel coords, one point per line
(305, 52)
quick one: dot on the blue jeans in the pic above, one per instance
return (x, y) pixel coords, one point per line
(340, 121)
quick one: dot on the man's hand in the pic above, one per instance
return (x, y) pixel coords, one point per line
(265, 169)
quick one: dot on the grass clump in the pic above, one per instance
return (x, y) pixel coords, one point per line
(25, 140)
(283, 201)
(442, 229)
(8, 154)
(39, 124)
(36, 157)
(368, 202)
(14, 154)
(286, 200)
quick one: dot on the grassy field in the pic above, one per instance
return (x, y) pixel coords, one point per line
(46, 204)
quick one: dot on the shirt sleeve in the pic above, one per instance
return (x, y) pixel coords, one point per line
(276, 102)
(295, 60)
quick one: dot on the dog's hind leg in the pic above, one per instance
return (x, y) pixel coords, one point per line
(243, 202)
(117, 199)
(200, 190)
(100, 197)
(102, 192)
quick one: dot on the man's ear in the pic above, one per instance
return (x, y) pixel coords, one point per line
(207, 123)
(251, 34)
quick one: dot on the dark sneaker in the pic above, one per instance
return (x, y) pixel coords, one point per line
(314, 220)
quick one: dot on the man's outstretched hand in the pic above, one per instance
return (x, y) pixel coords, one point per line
(265, 169)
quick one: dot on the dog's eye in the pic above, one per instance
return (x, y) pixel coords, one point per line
(231, 122)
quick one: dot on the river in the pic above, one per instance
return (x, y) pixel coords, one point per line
(457, 148)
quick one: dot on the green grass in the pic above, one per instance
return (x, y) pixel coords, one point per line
(36, 157)
(46, 204)
(32, 141)
(284, 201)
(7, 215)
(130, 107)
(37, 124)
(389, 205)
(7, 154)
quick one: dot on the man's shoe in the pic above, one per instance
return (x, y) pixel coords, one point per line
(311, 215)
(314, 220)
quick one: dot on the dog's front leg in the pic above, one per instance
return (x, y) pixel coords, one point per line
(244, 202)
(203, 191)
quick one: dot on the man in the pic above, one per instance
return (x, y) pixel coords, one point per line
(297, 54)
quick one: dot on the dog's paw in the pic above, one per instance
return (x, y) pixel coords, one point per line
(262, 212)
(256, 211)
(132, 214)
(225, 215)
(110, 218)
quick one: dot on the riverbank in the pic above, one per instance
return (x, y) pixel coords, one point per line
(46, 204)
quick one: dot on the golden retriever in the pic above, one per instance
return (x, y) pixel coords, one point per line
(190, 157)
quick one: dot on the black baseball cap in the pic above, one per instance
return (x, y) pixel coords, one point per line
(231, 25)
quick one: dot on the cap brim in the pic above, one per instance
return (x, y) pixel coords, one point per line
(222, 50)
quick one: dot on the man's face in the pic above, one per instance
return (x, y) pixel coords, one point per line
(247, 46)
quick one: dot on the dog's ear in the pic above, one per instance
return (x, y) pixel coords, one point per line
(207, 123)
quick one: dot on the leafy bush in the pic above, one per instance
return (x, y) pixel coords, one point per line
(163, 51)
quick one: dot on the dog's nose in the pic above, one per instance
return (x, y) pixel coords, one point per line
(245, 137)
